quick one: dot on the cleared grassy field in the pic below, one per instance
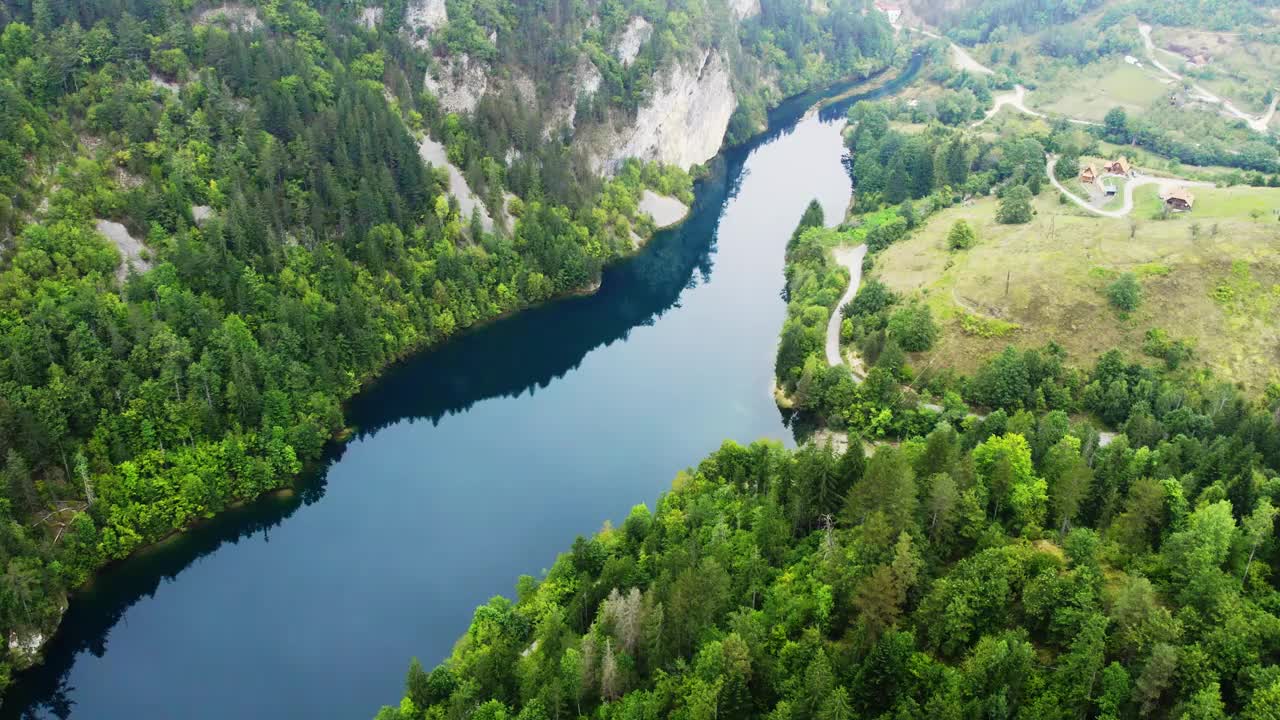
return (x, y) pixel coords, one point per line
(1255, 203)
(1089, 92)
(1214, 204)
(1028, 284)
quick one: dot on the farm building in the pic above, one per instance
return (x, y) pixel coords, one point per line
(1088, 174)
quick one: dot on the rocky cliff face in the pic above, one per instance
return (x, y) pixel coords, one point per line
(743, 9)
(458, 83)
(423, 17)
(683, 124)
(634, 37)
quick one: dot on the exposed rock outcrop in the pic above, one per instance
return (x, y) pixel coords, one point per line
(664, 209)
(683, 124)
(26, 646)
(433, 153)
(24, 650)
(588, 77)
(743, 9)
(160, 82)
(130, 248)
(636, 34)
(563, 113)
(234, 15)
(423, 17)
(526, 89)
(459, 84)
(371, 16)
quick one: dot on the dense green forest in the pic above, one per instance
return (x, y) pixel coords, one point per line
(1011, 567)
(789, 49)
(278, 239)
(1211, 14)
(1195, 139)
(129, 410)
(1017, 564)
(974, 22)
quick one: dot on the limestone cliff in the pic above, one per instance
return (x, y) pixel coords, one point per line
(633, 38)
(684, 114)
(423, 17)
(743, 9)
(458, 83)
(683, 123)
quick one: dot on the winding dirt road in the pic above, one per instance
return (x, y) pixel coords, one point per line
(1257, 124)
(1164, 184)
(959, 56)
(965, 61)
(851, 258)
(1016, 99)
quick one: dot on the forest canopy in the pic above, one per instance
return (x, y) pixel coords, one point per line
(1020, 568)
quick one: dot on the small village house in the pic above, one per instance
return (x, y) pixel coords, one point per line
(1088, 174)
(1119, 166)
(1179, 200)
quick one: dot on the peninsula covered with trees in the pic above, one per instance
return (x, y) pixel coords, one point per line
(1008, 567)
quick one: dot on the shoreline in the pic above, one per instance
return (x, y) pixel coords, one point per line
(873, 82)
(289, 486)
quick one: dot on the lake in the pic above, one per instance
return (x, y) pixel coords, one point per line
(472, 464)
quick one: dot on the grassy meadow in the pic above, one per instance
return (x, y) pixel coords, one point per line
(1090, 91)
(1211, 277)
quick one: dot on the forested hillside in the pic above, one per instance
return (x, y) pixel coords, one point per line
(971, 21)
(1006, 562)
(1005, 568)
(1214, 14)
(216, 224)
(590, 71)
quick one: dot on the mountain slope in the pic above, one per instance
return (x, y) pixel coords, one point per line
(271, 237)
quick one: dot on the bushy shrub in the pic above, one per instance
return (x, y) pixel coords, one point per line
(1125, 293)
(913, 327)
(1015, 206)
(961, 236)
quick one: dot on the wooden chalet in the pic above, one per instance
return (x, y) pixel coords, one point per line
(1179, 200)
(1119, 166)
(1088, 174)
